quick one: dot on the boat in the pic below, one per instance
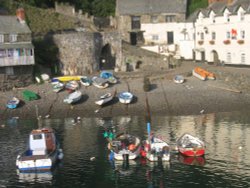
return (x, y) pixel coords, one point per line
(85, 81)
(73, 97)
(58, 87)
(100, 82)
(125, 147)
(202, 74)
(71, 85)
(42, 153)
(179, 79)
(125, 97)
(104, 99)
(156, 149)
(108, 76)
(66, 78)
(189, 145)
(13, 103)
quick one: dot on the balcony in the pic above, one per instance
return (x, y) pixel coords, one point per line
(16, 61)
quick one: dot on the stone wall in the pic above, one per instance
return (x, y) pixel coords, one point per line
(79, 52)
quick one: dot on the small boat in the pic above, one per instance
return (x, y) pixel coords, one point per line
(202, 74)
(66, 78)
(108, 76)
(58, 87)
(71, 85)
(104, 99)
(85, 81)
(125, 97)
(125, 147)
(179, 79)
(42, 153)
(100, 82)
(73, 97)
(156, 149)
(189, 145)
(13, 103)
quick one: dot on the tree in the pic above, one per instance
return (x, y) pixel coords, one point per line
(103, 8)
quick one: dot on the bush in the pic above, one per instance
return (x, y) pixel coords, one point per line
(146, 84)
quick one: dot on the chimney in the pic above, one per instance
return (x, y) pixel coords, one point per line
(20, 15)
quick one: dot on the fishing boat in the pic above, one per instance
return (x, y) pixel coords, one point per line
(73, 97)
(59, 86)
(189, 145)
(42, 153)
(100, 82)
(125, 147)
(85, 81)
(13, 103)
(202, 74)
(179, 79)
(66, 78)
(125, 97)
(104, 99)
(108, 76)
(71, 85)
(156, 149)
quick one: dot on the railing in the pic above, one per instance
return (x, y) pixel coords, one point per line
(14, 61)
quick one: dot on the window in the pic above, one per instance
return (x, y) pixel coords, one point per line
(154, 19)
(2, 53)
(213, 35)
(229, 57)
(243, 58)
(242, 34)
(10, 52)
(202, 36)
(1, 38)
(13, 37)
(170, 18)
(136, 22)
(228, 35)
(170, 37)
(242, 17)
(155, 37)
(37, 136)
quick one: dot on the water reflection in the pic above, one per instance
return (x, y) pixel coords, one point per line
(197, 161)
(35, 177)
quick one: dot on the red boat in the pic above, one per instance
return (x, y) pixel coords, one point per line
(189, 145)
(196, 161)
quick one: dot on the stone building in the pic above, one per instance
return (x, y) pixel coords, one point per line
(131, 14)
(16, 51)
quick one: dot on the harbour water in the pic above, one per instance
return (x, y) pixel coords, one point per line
(86, 162)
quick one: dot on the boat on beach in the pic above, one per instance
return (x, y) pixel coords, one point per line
(103, 99)
(71, 86)
(85, 81)
(58, 87)
(125, 147)
(108, 76)
(42, 153)
(179, 79)
(191, 146)
(125, 97)
(73, 97)
(13, 103)
(202, 74)
(66, 78)
(100, 82)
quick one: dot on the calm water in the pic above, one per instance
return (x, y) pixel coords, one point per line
(226, 163)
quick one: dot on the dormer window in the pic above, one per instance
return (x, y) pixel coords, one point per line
(212, 17)
(13, 37)
(227, 15)
(1, 38)
(241, 16)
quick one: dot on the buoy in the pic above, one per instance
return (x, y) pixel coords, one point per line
(92, 158)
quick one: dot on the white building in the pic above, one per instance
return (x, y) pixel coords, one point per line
(217, 34)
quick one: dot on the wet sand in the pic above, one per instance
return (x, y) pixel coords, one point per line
(229, 92)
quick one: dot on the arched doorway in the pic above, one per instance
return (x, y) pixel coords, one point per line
(215, 57)
(107, 60)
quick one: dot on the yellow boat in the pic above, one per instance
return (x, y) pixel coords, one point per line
(66, 78)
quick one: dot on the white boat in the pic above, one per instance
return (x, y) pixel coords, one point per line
(100, 82)
(72, 85)
(104, 99)
(85, 81)
(73, 97)
(42, 153)
(156, 149)
(58, 87)
(125, 97)
(125, 147)
(179, 79)
(13, 103)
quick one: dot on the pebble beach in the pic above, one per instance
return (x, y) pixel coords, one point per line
(229, 92)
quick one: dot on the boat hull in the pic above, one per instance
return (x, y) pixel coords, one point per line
(191, 152)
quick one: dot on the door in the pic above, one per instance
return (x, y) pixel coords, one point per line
(170, 37)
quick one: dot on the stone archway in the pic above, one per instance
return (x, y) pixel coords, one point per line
(107, 59)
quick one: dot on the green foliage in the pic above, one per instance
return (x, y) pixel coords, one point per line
(103, 8)
(146, 84)
(195, 4)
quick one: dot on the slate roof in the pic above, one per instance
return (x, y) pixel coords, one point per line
(10, 24)
(140, 7)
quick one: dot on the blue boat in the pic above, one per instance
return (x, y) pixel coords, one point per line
(13, 103)
(108, 76)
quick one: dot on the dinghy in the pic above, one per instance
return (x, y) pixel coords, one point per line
(72, 86)
(179, 79)
(108, 76)
(73, 97)
(125, 97)
(104, 99)
(202, 74)
(13, 103)
(58, 87)
(42, 153)
(100, 82)
(85, 81)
